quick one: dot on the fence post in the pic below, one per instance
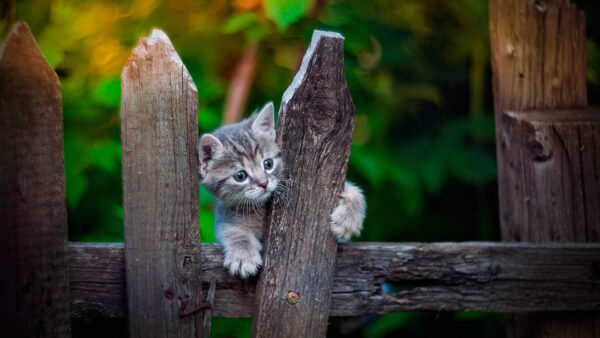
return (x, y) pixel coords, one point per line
(34, 276)
(314, 128)
(548, 159)
(159, 131)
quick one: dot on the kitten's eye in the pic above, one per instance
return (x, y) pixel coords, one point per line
(268, 163)
(240, 176)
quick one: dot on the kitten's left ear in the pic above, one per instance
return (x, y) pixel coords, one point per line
(264, 124)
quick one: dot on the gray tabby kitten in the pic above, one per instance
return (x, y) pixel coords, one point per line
(241, 165)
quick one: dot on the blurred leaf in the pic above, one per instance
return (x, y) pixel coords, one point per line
(209, 89)
(388, 322)
(108, 92)
(473, 166)
(258, 32)
(433, 172)
(231, 327)
(480, 128)
(208, 119)
(53, 54)
(106, 155)
(336, 15)
(117, 211)
(367, 163)
(76, 185)
(207, 228)
(239, 21)
(412, 200)
(286, 12)
(413, 15)
(207, 217)
(76, 182)
(403, 175)
(420, 92)
(205, 196)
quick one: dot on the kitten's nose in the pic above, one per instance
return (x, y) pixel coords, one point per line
(263, 185)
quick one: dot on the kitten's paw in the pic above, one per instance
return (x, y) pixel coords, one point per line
(245, 264)
(348, 216)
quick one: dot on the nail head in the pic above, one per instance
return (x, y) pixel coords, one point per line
(293, 297)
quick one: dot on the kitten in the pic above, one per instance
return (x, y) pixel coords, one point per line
(241, 164)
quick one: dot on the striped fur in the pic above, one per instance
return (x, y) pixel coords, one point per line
(246, 146)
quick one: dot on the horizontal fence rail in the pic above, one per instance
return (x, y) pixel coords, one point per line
(372, 278)
(164, 265)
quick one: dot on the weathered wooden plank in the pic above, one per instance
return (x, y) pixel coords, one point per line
(97, 273)
(34, 279)
(470, 276)
(314, 129)
(560, 172)
(160, 190)
(539, 63)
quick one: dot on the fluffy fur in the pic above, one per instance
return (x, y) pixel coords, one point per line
(250, 146)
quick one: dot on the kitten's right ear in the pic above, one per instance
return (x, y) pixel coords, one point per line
(264, 124)
(208, 148)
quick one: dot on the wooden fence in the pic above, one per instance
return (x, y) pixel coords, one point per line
(162, 276)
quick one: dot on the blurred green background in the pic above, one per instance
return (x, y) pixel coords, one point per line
(418, 72)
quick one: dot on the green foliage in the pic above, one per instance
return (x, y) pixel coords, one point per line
(207, 231)
(419, 75)
(237, 22)
(389, 323)
(108, 92)
(231, 328)
(286, 12)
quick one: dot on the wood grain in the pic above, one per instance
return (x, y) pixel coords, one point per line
(559, 152)
(560, 173)
(314, 129)
(34, 279)
(547, 188)
(382, 277)
(539, 63)
(98, 288)
(160, 190)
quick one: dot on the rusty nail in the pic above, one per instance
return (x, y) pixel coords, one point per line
(183, 312)
(293, 297)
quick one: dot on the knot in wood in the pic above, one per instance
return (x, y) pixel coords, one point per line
(541, 6)
(538, 148)
(169, 293)
(510, 50)
(494, 269)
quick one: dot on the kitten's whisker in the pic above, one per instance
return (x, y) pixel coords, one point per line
(285, 192)
(236, 212)
(245, 207)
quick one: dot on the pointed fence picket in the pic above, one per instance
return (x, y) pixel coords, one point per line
(34, 275)
(159, 119)
(159, 276)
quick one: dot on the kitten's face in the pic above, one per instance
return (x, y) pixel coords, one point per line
(242, 161)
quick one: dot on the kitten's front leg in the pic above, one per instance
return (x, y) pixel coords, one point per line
(242, 250)
(348, 216)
